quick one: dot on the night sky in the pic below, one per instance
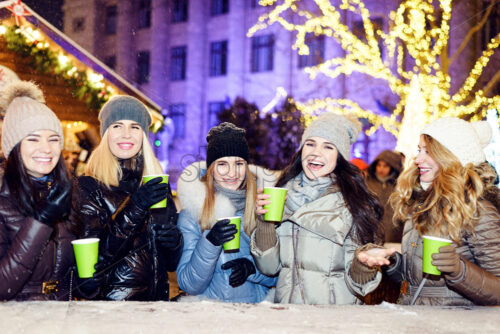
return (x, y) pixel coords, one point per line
(51, 10)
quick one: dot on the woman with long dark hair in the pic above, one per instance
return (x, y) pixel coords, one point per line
(35, 199)
(328, 214)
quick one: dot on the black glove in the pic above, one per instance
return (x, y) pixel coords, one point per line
(89, 287)
(168, 236)
(221, 232)
(150, 193)
(56, 206)
(242, 268)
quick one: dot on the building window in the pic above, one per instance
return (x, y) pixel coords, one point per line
(178, 63)
(144, 14)
(143, 67)
(214, 109)
(180, 11)
(218, 58)
(219, 7)
(316, 45)
(78, 24)
(110, 61)
(178, 116)
(111, 20)
(262, 53)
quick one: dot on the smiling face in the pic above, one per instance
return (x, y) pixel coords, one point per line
(428, 167)
(229, 172)
(40, 152)
(319, 157)
(125, 138)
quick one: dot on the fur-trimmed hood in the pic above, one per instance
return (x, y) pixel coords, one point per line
(191, 190)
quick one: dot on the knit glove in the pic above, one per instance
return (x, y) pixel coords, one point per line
(150, 193)
(449, 262)
(56, 206)
(242, 268)
(221, 232)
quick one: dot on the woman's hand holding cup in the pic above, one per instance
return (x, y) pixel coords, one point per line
(262, 199)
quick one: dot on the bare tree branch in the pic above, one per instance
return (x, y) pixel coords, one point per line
(491, 83)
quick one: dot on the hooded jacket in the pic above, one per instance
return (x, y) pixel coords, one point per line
(383, 189)
(199, 271)
(136, 268)
(32, 255)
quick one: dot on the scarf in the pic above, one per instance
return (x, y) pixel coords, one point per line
(237, 197)
(302, 190)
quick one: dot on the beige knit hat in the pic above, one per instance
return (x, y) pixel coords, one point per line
(342, 131)
(25, 112)
(465, 140)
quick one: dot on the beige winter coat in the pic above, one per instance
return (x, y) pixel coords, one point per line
(316, 272)
(481, 252)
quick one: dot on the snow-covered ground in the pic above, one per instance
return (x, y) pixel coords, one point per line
(222, 318)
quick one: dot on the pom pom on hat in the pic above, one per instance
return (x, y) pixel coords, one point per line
(464, 139)
(25, 112)
(342, 131)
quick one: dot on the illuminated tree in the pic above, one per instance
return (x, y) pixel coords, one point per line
(417, 51)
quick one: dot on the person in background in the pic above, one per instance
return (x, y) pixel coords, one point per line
(448, 191)
(381, 178)
(36, 255)
(223, 186)
(329, 213)
(138, 245)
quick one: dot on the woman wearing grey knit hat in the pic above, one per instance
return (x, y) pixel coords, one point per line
(329, 213)
(35, 198)
(447, 192)
(137, 245)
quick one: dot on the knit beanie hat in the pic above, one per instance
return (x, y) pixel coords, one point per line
(339, 130)
(124, 107)
(25, 112)
(226, 140)
(465, 140)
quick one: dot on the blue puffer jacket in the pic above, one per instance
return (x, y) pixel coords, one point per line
(199, 271)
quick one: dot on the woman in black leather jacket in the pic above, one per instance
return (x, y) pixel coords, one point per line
(137, 245)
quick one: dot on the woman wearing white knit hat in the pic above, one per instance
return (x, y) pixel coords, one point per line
(329, 213)
(35, 240)
(448, 192)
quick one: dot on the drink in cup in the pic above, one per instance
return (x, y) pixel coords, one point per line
(147, 178)
(431, 246)
(233, 246)
(86, 252)
(275, 208)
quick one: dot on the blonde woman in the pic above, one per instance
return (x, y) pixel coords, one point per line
(224, 186)
(137, 245)
(447, 192)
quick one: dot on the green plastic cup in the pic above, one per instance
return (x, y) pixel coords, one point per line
(86, 252)
(275, 209)
(431, 245)
(146, 179)
(233, 246)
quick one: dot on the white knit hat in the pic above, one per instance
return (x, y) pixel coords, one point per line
(340, 130)
(465, 140)
(25, 113)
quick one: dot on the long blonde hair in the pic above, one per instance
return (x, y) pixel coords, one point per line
(207, 213)
(449, 207)
(104, 166)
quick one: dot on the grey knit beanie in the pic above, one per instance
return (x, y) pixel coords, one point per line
(25, 113)
(339, 130)
(465, 140)
(124, 107)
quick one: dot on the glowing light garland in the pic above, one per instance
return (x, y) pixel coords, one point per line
(415, 32)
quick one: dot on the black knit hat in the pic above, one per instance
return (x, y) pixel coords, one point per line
(226, 140)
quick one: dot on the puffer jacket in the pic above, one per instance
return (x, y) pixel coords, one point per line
(137, 267)
(383, 189)
(33, 256)
(480, 252)
(199, 271)
(320, 233)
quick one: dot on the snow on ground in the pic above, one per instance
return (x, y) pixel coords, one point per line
(217, 317)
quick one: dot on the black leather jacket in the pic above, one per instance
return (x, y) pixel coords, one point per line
(137, 267)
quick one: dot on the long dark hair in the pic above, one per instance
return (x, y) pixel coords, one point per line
(21, 186)
(363, 205)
